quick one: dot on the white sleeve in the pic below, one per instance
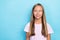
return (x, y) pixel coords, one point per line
(50, 30)
(26, 29)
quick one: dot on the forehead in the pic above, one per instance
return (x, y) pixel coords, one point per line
(38, 7)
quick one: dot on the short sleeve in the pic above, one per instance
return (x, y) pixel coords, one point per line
(26, 29)
(50, 30)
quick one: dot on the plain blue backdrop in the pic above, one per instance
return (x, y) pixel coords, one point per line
(14, 14)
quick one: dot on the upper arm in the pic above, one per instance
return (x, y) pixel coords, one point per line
(50, 31)
(49, 37)
(27, 36)
(27, 30)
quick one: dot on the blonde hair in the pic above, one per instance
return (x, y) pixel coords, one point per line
(44, 26)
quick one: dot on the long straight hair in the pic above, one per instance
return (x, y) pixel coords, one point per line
(44, 26)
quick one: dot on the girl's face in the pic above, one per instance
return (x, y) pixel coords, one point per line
(38, 11)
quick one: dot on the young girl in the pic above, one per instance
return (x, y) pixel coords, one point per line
(38, 28)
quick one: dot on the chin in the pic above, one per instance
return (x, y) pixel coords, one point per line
(38, 17)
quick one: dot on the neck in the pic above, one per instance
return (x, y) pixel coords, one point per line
(38, 21)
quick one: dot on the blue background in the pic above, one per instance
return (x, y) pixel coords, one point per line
(14, 14)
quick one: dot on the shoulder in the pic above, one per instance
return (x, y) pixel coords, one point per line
(27, 27)
(48, 24)
(27, 24)
(50, 30)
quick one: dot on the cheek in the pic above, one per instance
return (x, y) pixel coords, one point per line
(35, 13)
(40, 13)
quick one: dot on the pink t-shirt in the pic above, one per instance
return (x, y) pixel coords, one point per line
(38, 28)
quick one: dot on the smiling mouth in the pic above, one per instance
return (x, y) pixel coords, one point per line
(37, 15)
